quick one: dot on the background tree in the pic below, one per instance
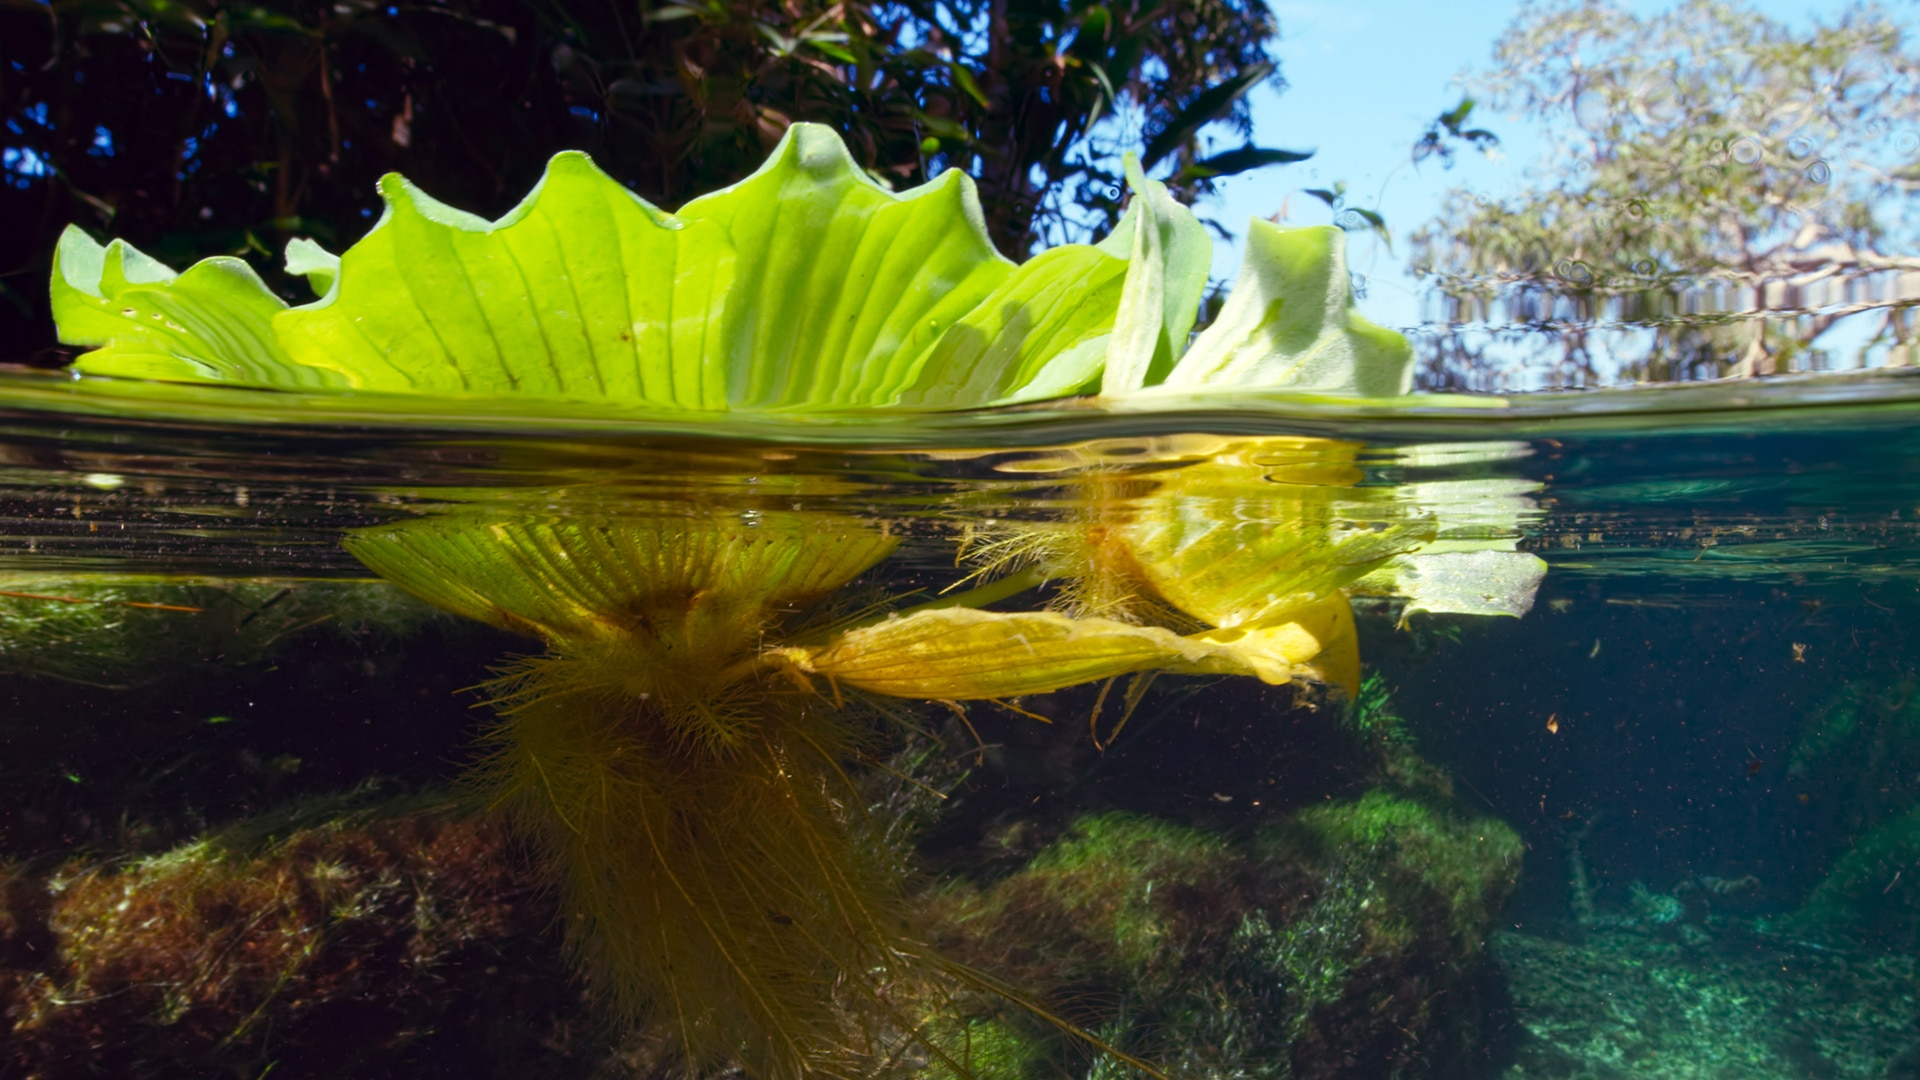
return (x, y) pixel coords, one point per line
(193, 127)
(1719, 190)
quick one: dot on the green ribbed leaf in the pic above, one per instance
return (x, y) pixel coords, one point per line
(573, 294)
(213, 323)
(806, 287)
(700, 579)
(1043, 333)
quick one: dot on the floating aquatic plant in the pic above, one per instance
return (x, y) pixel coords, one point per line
(679, 755)
(806, 287)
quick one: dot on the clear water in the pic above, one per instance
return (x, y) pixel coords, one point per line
(1703, 737)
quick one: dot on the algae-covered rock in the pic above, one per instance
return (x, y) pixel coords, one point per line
(1344, 941)
(399, 947)
(1873, 888)
(1858, 754)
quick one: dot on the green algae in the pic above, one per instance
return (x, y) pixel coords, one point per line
(1873, 887)
(1460, 860)
(1251, 953)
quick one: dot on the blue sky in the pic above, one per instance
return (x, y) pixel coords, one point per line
(1365, 77)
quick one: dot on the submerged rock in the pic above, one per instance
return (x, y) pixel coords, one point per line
(1626, 1005)
(1343, 941)
(394, 948)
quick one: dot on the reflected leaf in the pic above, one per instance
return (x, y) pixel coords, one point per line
(688, 583)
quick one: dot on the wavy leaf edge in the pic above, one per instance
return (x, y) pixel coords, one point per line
(991, 331)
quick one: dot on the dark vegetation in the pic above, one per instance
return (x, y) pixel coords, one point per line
(196, 127)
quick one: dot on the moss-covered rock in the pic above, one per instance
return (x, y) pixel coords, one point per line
(395, 947)
(1346, 940)
(1873, 888)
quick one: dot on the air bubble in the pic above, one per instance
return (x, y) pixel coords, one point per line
(1574, 272)
(1590, 109)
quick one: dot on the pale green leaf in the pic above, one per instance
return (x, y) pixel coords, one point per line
(1289, 323)
(1470, 582)
(319, 266)
(1042, 333)
(1168, 253)
(210, 324)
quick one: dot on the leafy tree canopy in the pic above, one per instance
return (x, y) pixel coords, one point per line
(1719, 190)
(197, 127)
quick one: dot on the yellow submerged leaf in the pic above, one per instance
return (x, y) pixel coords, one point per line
(960, 653)
(705, 582)
(1266, 529)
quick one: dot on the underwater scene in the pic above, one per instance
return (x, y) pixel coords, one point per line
(783, 637)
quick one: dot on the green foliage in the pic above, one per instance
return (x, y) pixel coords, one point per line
(1371, 714)
(1719, 189)
(1450, 128)
(805, 287)
(196, 127)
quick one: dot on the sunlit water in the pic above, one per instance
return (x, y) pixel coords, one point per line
(1706, 716)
